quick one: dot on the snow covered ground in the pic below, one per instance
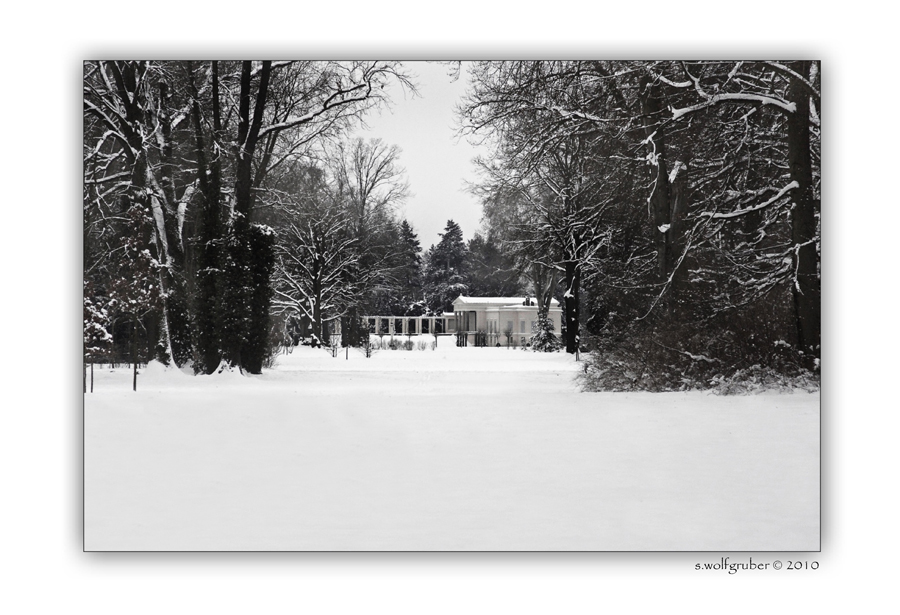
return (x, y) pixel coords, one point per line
(450, 449)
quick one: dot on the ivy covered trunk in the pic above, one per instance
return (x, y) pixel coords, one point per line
(247, 296)
(250, 254)
(207, 318)
(259, 272)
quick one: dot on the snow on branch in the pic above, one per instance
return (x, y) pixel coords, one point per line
(741, 212)
(674, 84)
(795, 75)
(714, 99)
(581, 115)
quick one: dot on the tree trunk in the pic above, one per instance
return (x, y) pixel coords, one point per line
(134, 355)
(209, 234)
(317, 314)
(572, 298)
(146, 191)
(804, 222)
(252, 255)
(660, 201)
(675, 240)
(248, 135)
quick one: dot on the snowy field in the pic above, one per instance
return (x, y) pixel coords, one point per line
(450, 449)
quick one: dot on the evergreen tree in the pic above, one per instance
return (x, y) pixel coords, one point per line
(445, 270)
(398, 291)
(543, 338)
(96, 325)
(492, 271)
(409, 270)
(135, 298)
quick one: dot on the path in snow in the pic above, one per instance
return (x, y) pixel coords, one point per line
(453, 449)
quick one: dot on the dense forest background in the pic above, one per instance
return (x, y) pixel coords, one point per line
(671, 207)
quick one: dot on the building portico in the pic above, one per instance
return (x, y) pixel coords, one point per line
(500, 320)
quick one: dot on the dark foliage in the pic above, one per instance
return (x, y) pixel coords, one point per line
(727, 353)
(446, 270)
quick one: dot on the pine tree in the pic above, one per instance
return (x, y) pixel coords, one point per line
(409, 270)
(543, 338)
(445, 270)
(135, 294)
(97, 324)
(492, 272)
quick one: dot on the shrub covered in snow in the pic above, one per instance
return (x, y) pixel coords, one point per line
(682, 358)
(97, 338)
(756, 379)
(543, 339)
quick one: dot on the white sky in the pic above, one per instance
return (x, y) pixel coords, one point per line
(437, 162)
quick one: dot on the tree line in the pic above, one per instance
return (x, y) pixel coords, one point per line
(672, 207)
(183, 164)
(229, 209)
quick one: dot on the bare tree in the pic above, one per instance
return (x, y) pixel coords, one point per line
(129, 158)
(313, 257)
(198, 143)
(722, 155)
(367, 178)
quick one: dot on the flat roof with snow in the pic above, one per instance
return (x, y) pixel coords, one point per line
(462, 299)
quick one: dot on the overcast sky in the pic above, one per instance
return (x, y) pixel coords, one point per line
(437, 162)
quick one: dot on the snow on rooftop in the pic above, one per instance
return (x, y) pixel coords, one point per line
(496, 300)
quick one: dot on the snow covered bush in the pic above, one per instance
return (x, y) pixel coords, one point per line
(756, 379)
(543, 339)
(692, 357)
(97, 338)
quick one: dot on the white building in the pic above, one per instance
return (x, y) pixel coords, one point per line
(474, 321)
(503, 319)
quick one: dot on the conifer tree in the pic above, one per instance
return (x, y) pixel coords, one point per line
(409, 270)
(492, 272)
(445, 269)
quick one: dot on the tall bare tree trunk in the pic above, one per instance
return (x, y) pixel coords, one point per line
(245, 339)
(660, 202)
(572, 299)
(804, 221)
(210, 230)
